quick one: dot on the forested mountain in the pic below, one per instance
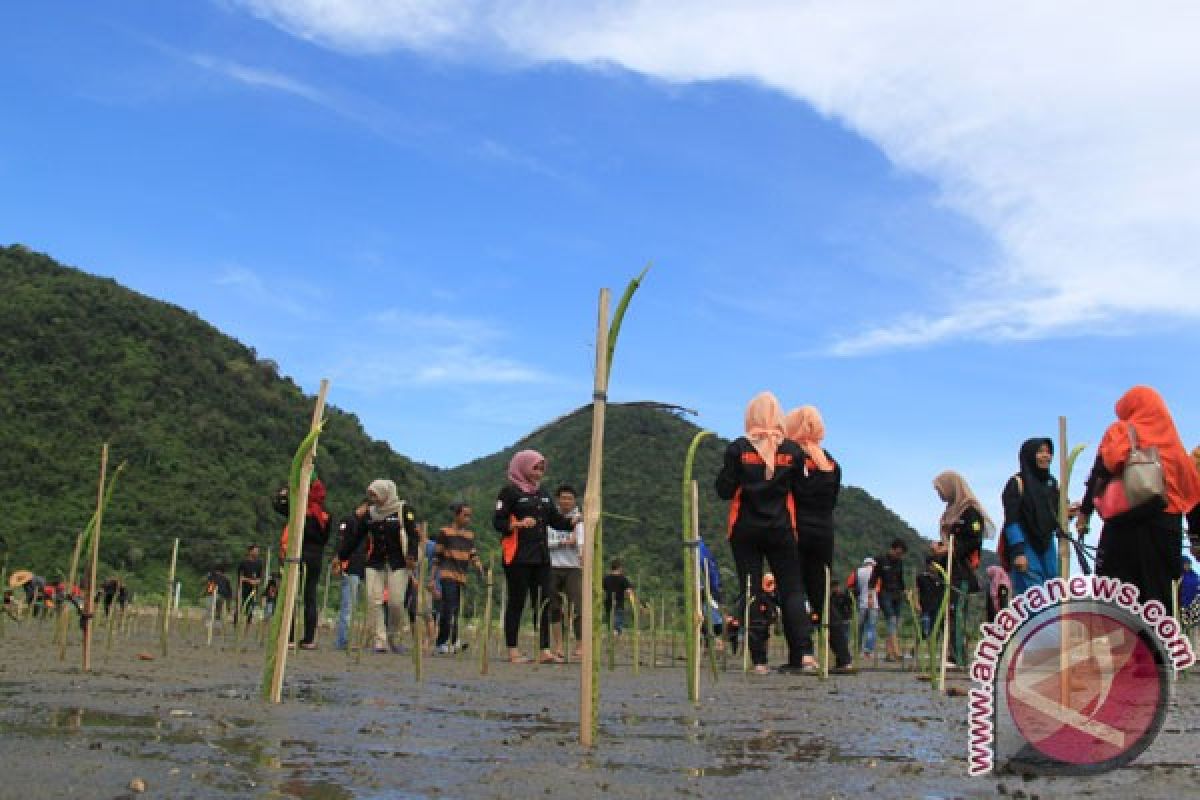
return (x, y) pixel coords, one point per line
(645, 447)
(207, 429)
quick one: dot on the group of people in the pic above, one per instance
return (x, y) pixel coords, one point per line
(782, 486)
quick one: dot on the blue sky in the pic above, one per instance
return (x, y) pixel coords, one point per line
(943, 229)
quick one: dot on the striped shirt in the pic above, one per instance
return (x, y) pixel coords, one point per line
(454, 554)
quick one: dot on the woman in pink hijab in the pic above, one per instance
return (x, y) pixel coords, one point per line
(816, 495)
(758, 476)
(523, 511)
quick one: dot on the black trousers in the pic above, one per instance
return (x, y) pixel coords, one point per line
(816, 554)
(532, 580)
(778, 549)
(1145, 551)
(312, 580)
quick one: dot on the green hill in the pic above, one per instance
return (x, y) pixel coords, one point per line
(208, 428)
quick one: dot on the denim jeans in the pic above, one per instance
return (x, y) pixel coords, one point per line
(866, 629)
(448, 620)
(346, 609)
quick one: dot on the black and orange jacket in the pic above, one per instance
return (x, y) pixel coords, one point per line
(386, 547)
(454, 554)
(758, 503)
(357, 560)
(526, 545)
(316, 529)
(816, 495)
(968, 540)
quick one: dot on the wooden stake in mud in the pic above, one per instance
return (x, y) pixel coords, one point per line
(166, 617)
(298, 504)
(825, 628)
(946, 606)
(746, 631)
(691, 544)
(89, 601)
(589, 673)
(64, 619)
(1064, 568)
(487, 619)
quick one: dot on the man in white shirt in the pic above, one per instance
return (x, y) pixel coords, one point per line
(566, 563)
(868, 605)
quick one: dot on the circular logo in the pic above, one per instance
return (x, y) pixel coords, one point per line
(1086, 686)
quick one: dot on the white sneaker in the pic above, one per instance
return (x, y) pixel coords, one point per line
(444, 650)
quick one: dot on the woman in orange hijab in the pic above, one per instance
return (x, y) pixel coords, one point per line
(1143, 546)
(759, 476)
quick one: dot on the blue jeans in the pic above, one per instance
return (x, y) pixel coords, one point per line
(1041, 568)
(891, 603)
(448, 620)
(346, 610)
(866, 629)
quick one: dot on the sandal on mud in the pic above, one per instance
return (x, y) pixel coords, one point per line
(520, 660)
(762, 669)
(551, 658)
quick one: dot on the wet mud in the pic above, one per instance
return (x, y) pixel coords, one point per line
(192, 726)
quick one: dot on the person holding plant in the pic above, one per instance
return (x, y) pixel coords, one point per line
(1144, 546)
(1028, 549)
(966, 524)
(759, 475)
(523, 513)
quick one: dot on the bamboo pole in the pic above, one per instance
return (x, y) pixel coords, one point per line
(589, 682)
(324, 601)
(746, 631)
(825, 626)
(709, 605)
(690, 547)
(63, 621)
(1064, 569)
(166, 617)
(946, 621)
(695, 595)
(298, 503)
(419, 606)
(653, 635)
(212, 615)
(487, 619)
(90, 600)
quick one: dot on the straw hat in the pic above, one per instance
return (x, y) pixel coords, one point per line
(19, 578)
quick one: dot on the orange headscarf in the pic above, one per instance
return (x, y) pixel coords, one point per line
(806, 428)
(764, 428)
(1144, 409)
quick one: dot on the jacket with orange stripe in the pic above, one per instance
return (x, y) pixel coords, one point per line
(758, 503)
(816, 495)
(527, 545)
(391, 542)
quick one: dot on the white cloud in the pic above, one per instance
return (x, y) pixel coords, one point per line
(253, 288)
(1066, 130)
(414, 348)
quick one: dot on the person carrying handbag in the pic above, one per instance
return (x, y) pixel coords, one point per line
(1144, 545)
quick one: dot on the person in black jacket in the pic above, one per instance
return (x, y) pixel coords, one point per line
(312, 549)
(759, 476)
(352, 572)
(523, 512)
(389, 526)
(966, 522)
(814, 498)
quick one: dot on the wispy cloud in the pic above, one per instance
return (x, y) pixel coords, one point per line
(1064, 130)
(421, 349)
(253, 288)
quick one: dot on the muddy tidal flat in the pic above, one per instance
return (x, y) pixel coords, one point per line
(191, 725)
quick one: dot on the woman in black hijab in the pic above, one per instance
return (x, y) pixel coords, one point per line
(1031, 518)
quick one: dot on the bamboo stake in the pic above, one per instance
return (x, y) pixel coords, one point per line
(1064, 569)
(637, 621)
(325, 601)
(825, 626)
(89, 602)
(694, 592)
(690, 547)
(653, 635)
(487, 619)
(709, 605)
(64, 621)
(946, 621)
(166, 617)
(277, 649)
(419, 606)
(746, 632)
(589, 683)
